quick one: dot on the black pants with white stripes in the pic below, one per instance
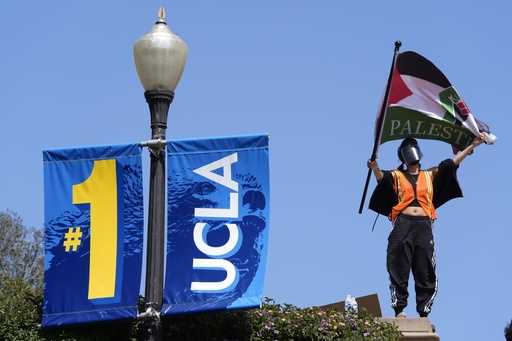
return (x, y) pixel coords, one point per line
(411, 247)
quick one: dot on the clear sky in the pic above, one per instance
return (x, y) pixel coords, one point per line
(310, 73)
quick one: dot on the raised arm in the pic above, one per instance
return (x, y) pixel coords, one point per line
(457, 158)
(376, 170)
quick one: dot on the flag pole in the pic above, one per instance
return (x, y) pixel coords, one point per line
(380, 123)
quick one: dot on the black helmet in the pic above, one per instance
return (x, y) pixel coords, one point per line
(409, 151)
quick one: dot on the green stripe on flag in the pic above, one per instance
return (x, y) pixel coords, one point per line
(401, 122)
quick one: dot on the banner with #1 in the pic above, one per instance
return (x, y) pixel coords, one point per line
(93, 234)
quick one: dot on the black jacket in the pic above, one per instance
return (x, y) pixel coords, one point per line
(446, 187)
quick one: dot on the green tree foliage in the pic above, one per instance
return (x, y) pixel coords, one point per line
(21, 274)
(21, 251)
(20, 310)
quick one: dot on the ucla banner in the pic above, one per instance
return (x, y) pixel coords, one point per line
(218, 221)
(93, 234)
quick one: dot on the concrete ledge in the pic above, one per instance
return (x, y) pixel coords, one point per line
(414, 329)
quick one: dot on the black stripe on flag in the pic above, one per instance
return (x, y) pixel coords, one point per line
(412, 64)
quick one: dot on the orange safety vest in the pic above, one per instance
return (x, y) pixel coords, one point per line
(405, 192)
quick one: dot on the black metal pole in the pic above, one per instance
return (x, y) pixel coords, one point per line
(159, 102)
(380, 122)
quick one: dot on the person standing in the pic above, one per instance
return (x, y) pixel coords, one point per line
(409, 196)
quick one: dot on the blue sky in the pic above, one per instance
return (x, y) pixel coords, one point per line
(310, 73)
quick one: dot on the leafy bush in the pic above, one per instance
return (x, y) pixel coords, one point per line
(279, 322)
(20, 310)
(287, 322)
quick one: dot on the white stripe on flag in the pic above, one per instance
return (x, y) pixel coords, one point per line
(425, 99)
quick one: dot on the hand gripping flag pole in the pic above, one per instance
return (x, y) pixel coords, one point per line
(380, 123)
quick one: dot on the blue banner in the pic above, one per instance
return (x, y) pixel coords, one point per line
(218, 220)
(93, 234)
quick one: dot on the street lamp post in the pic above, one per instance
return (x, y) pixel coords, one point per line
(160, 57)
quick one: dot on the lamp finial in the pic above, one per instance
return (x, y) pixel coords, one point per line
(161, 16)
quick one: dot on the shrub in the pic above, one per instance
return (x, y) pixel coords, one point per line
(279, 322)
(20, 307)
(285, 322)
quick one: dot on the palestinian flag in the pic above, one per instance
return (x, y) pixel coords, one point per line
(422, 103)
